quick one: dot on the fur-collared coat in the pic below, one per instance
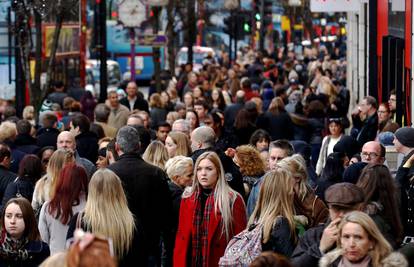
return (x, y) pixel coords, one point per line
(394, 259)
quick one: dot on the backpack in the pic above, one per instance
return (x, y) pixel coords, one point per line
(244, 247)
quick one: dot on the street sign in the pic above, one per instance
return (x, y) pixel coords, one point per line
(152, 40)
(335, 5)
(157, 2)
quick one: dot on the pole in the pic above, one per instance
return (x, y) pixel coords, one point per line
(191, 29)
(235, 33)
(82, 41)
(103, 81)
(262, 26)
(156, 51)
(132, 40)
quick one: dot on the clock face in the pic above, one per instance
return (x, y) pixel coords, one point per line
(131, 12)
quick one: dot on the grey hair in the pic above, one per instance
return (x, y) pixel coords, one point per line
(177, 166)
(128, 139)
(102, 112)
(204, 135)
(185, 125)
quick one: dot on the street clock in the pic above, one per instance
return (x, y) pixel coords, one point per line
(131, 13)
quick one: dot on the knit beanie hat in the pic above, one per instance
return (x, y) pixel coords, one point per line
(405, 136)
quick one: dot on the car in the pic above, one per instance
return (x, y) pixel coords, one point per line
(200, 54)
(93, 74)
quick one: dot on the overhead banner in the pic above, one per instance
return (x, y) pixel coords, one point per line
(335, 5)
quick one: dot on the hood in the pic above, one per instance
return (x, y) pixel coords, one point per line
(394, 259)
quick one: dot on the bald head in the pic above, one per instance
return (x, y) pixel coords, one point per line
(202, 137)
(66, 140)
(373, 152)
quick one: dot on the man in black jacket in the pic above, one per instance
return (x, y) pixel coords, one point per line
(365, 120)
(25, 142)
(86, 141)
(47, 135)
(6, 176)
(341, 198)
(149, 200)
(134, 99)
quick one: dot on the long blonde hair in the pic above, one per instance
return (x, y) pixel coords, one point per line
(275, 199)
(296, 165)
(381, 247)
(107, 212)
(56, 163)
(182, 142)
(224, 196)
(156, 154)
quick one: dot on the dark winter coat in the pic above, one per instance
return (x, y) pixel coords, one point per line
(26, 143)
(87, 146)
(6, 177)
(47, 137)
(366, 130)
(140, 103)
(38, 251)
(149, 200)
(278, 126)
(281, 240)
(307, 253)
(20, 187)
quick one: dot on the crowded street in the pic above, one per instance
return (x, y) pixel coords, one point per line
(206, 133)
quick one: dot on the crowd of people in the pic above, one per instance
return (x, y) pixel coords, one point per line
(251, 163)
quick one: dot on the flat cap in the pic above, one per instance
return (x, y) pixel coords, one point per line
(344, 195)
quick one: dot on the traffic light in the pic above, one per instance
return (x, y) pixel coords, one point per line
(229, 25)
(267, 14)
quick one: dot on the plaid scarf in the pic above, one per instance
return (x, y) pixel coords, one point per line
(204, 207)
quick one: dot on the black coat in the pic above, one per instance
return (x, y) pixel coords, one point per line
(140, 103)
(149, 200)
(230, 114)
(6, 177)
(87, 146)
(281, 240)
(26, 143)
(21, 187)
(366, 130)
(307, 253)
(278, 126)
(406, 188)
(38, 251)
(47, 137)
(176, 193)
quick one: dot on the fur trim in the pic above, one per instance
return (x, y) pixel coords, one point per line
(330, 257)
(395, 259)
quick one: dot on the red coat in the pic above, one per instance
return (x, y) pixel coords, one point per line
(216, 241)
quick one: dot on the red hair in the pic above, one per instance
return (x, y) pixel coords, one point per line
(73, 181)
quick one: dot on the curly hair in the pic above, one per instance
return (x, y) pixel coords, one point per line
(249, 160)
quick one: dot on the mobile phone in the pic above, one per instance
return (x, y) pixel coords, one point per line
(408, 239)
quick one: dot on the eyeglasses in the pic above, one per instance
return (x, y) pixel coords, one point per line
(371, 155)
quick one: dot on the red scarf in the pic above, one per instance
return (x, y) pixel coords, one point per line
(201, 219)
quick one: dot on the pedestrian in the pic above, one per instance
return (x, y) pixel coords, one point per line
(360, 243)
(381, 201)
(341, 199)
(275, 213)
(180, 171)
(148, 196)
(45, 187)
(306, 202)
(156, 154)
(331, 174)
(68, 199)
(20, 243)
(30, 170)
(177, 143)
(107, 213)
(211, 213)
(260, 139)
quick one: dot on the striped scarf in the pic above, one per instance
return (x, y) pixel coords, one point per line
(204, 207)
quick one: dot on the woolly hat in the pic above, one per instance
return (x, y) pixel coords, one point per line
(405, 136)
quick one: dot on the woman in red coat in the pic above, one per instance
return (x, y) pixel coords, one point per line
(211, 213)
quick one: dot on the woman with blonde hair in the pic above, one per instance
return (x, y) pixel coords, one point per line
(45, 187)
(252, 167)
(306, 202)
(107, 213)
(158, 112)
(180, 171)
(275, 213)
(360, 243)
(156, 154)
(211, 213)
(177, 144)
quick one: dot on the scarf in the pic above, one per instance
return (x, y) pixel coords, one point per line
(13, 250)
(363, 263)
(204, 207)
